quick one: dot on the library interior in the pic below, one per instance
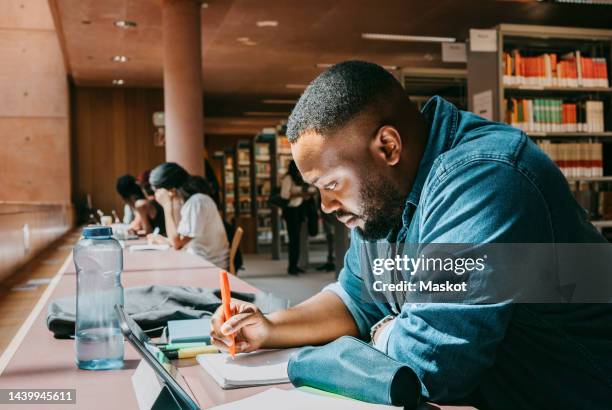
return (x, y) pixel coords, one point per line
(333, 204)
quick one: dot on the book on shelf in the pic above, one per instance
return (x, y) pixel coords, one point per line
(244, 157)
(554, 70)
(263, 169)
(262, 150)
(554, 115)
(282, 145)
(576, 160)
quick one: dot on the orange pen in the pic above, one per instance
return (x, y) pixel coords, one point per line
(226, 297)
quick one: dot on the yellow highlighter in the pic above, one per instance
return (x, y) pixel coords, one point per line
(191, 352)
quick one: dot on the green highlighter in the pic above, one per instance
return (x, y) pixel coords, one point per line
(176, 346)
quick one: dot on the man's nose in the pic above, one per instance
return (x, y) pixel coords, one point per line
(328, 203)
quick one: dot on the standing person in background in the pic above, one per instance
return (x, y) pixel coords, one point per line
(294, 191)
(146, 213)
(328, 226)
(200, 230)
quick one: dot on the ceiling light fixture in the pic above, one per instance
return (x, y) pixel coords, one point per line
(267, 113)
(204, 5)
(296, 86)
(120, 59)
(125, 24)
(386, 67)
(267, 23)
(118, 81)
(277, 101)
(399, 37)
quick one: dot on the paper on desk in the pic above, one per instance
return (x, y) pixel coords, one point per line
(160, 247)
(277, 399)
(247, 369)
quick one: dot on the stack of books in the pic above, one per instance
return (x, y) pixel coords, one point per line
(576, 160)
(552, 70)
(555, 115)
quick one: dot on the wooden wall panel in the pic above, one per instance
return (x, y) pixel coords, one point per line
(113, 135)
(45, 224)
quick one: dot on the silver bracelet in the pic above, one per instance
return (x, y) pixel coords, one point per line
(379, 324)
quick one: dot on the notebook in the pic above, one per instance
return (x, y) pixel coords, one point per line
(189, 330)
(247, 369)
(153, 247)
(297, 399)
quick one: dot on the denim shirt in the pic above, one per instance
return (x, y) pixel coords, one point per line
(485, 182)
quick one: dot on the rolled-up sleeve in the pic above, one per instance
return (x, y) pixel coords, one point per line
(349, 288)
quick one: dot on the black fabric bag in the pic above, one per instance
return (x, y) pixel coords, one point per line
(276, 199)
(153, 306)
(352, 368)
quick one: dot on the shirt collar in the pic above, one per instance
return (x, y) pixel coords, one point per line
(442, 118)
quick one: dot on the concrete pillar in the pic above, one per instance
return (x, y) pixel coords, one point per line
(184, 114)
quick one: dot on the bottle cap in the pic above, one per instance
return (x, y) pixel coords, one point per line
(97, 232)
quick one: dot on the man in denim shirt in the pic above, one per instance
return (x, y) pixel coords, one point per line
(439, 176)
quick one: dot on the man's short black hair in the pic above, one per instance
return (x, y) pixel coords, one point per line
(338, 94)
(127, 187)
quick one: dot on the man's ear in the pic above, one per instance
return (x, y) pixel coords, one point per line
(387, 145)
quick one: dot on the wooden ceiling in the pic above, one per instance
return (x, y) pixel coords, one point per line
(237, 77)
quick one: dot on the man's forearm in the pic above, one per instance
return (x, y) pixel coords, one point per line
(318, 320)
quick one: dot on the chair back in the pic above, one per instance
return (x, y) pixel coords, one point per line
(234, 249)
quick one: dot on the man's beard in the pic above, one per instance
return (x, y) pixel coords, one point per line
(383, 207)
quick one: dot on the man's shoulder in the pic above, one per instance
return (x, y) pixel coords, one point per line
(486, 141)
(494, 145)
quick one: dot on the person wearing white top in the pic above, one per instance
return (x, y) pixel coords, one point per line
(294, 191)
(200, 230)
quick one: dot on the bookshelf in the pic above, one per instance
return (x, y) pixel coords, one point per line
(554, 84)
(282, 157)
(423, 83)
(264, 170)
(228, 186)
(244, 180)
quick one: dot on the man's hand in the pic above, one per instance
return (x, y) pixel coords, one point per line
(163, 197)
(248, 325)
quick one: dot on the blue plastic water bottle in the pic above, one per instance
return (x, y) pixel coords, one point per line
(98, 259)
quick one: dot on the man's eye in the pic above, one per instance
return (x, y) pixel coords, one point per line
(330, 187)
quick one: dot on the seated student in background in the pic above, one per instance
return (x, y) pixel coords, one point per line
(143, 180)
(394, 174)
(200, 230)
(147, 213)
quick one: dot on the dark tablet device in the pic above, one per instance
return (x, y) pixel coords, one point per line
(164, 369)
